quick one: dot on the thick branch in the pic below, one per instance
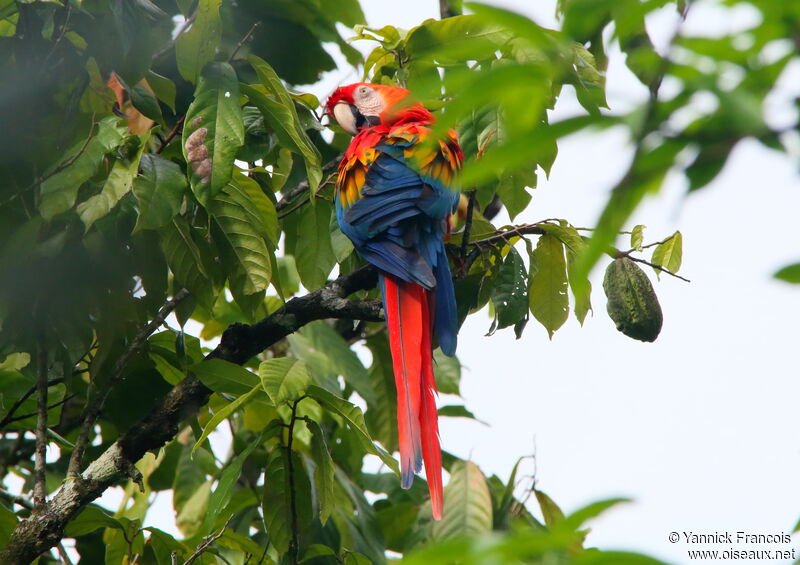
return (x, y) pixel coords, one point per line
(45, 527)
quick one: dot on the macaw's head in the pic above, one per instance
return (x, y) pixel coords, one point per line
(362, 104)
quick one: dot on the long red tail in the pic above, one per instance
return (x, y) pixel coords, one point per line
(408, 317)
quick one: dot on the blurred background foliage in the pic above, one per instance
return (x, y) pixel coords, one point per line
(162, 154)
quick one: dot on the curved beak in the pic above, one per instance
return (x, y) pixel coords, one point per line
(346, 115)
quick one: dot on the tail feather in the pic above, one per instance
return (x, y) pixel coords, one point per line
(429, 418)
(408, 315)
(403, 305)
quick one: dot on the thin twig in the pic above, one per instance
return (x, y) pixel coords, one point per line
(207, 541)
(63, 553)
(95, 405)
(181, 30)
(243, 40)
(50, 407)
(9, 417)
(303, 187)
(58, 168)
(659, 267)
(39, 486)
(171, 135)
(23, 501)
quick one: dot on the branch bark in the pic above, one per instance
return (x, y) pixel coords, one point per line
(45, 526)
(39, 487)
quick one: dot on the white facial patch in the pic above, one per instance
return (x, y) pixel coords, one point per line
(368, 101)
(345, 117)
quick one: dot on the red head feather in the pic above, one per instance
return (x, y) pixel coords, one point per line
(392, 97)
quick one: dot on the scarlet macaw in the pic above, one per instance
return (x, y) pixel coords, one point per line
(394, 197)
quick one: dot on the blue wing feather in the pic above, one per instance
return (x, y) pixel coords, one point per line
(398, 225)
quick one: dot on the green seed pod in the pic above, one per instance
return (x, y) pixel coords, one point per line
(632, 302)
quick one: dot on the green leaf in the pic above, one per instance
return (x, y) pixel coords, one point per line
(260, 208)
(790, 273)
(669, 254)
(549, 302)
(341, 244)
(283, 114)
(191, 516)
(458, 411)
(117, 185)
(355, 420)
(59, 191)
(551, 513)
(323, 474)
(324, 340)
(159, 190)
(467, 504)
(509, 294)
(512, 191)
(224, 413)
(15, 361)
(222, 494)
(163, 87)
(198, 45)
(213, 131)
(447, 372)
(456, 39)
(249, 264)
(637, 237)
(578, 518)
(223, 376)
(314, 255)
(163, 545)
(90, 519)
(277, 503)
(186, 260)
(284, 379)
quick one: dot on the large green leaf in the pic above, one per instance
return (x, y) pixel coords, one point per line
(355, 420)
(186, 260)
(223, 376)
(117, 185)
(509, 293)
(59, 191)
(467, 504)
(249, 259)
(221, 496)
(322, 339)
(159, 190)
(549, 302)
(213, 131)
(224, 413)
(323, 474)
(281, 114)
(284, 379)
(314, 255)
(277, 502)
(198, 45)
(260, 209)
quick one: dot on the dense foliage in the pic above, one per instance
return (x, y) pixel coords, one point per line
(156, 158)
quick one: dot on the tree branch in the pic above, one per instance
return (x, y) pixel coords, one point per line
(45, 526)
(39, 486)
